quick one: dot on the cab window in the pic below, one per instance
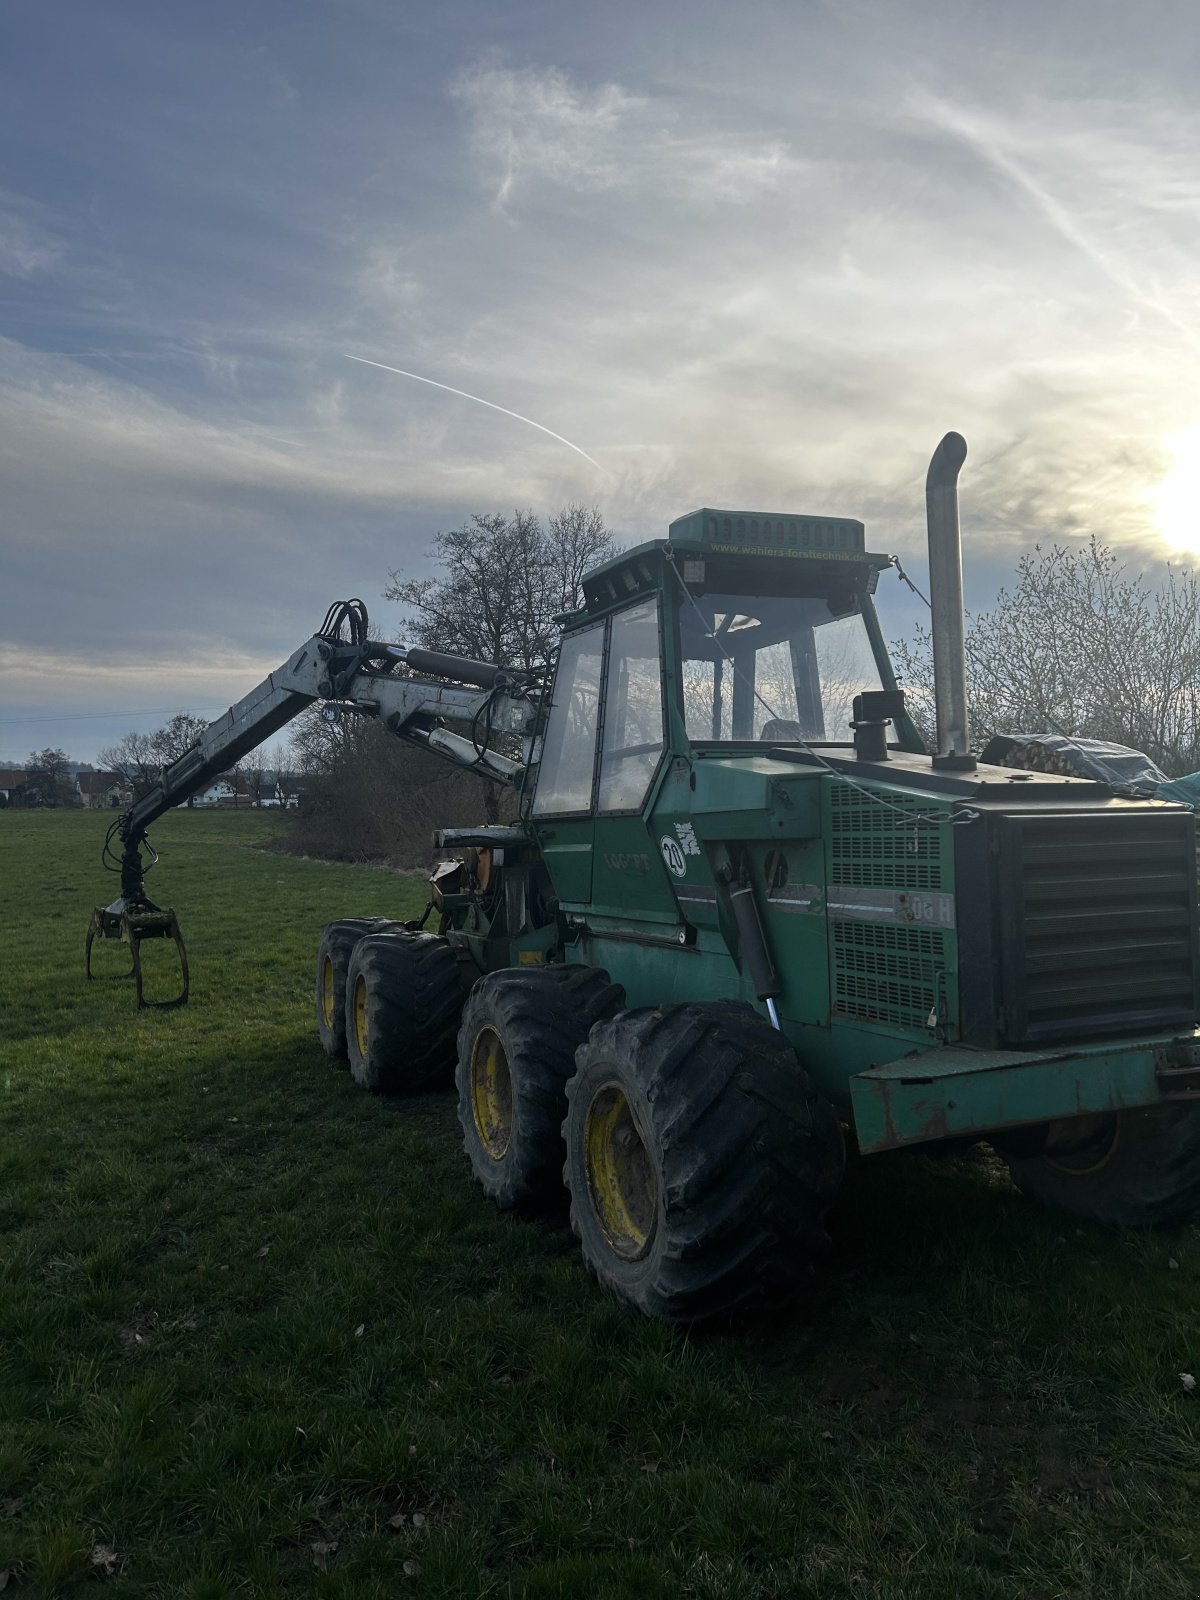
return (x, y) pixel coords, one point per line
(633, 709)
(569, 752)
(772, 667)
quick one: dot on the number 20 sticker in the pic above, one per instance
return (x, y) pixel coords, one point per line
(673, 855)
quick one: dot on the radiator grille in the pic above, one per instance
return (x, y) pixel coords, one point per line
(876, 846)
(1098, 920)
(886, 974)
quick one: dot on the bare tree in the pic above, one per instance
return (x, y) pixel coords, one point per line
(141, 757)
(248, 775)
(176, 737)
(49, 781)
(503, 581)
(136, 759)
(576, 540)
(1082, 647)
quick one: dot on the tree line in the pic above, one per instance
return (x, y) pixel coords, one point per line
(1079, 646)
(138, 760)
(141, 757)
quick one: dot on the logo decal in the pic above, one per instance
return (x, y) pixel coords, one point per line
(628, 861)
(672, 854)
(687, 838)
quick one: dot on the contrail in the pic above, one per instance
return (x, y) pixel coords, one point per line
(491, 405)
(973, 132)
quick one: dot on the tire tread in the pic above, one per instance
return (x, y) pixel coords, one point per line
(338, 939)
(415, 993)
(750, 1158)
(543, 1014)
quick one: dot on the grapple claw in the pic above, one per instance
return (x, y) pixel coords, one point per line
(133, 923)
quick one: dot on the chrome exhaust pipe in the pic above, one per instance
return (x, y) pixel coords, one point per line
(946, 605)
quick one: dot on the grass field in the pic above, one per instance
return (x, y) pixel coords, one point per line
(259, 1334)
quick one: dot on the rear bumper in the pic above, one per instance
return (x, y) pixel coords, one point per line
(952, 1092)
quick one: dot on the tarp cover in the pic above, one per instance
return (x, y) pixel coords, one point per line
(1185, 790)
(1123, 769)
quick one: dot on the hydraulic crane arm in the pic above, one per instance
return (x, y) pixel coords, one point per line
(343, 668)
(355, 675)
(412, 708)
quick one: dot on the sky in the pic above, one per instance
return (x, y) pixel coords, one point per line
(760, 256)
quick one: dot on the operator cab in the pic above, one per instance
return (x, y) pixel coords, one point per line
(741, 627)
(774, 636)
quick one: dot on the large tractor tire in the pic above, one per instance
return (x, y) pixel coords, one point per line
(1137, 1169)
(404, 996)
(700, 1160)
(516, 1049)
(333, 958)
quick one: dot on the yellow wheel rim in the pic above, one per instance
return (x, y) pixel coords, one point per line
(327, 992)
(361, 1029)
(621, 1179)
(491, 1092)
(1090, 1155)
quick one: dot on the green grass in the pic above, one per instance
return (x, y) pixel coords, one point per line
(260, 1335)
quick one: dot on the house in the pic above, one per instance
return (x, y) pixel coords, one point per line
(221, 792)
(280, 790)
(103, 791)
(237, 790)
(12, 780)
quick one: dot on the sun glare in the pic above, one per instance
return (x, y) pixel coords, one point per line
(1177, 498)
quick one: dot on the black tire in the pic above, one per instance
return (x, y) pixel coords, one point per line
(516, 1049)
(333, 958)
(700, 1160)
(404, 996)
(1138, 1169)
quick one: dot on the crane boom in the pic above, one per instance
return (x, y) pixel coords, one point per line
(350, 674)
(410, 707)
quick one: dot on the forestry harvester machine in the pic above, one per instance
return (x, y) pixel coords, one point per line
(741, 916)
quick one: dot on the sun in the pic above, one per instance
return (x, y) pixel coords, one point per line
(1177, 499)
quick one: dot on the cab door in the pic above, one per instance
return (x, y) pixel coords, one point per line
(562, 803)
(631, 883)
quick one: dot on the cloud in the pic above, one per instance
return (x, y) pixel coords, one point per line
(1095, 185)
(28, 246)
(539, 125)
(38, 676)
(733, 258)
(65, 428)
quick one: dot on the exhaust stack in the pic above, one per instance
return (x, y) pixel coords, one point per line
(946, 605)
